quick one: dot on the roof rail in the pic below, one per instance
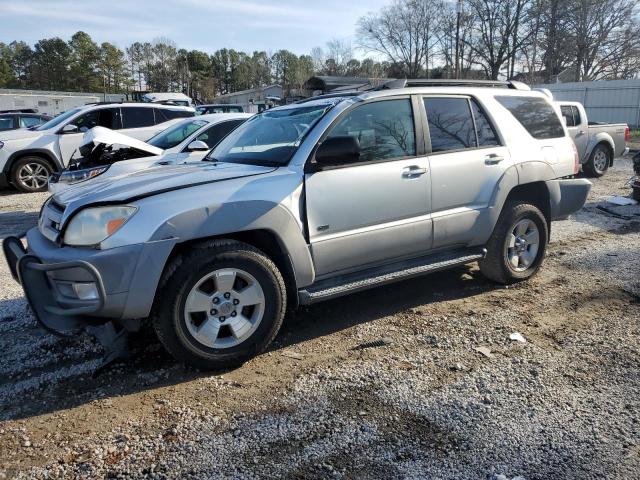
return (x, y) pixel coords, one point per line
(431, 82)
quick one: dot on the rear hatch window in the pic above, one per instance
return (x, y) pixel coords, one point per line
(535, 114)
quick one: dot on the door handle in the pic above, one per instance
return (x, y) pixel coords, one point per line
(493, 159)
(413, 171)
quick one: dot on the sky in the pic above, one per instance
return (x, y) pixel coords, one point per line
(245, 25)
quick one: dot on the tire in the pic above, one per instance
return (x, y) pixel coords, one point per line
(31, 174)
(231, 332)
(506, 243)
(598, 162)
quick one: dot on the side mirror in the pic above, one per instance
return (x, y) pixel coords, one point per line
(70, 128)
(198, 146)
(339, 150)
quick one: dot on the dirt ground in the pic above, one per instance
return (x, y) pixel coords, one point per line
(424, 401)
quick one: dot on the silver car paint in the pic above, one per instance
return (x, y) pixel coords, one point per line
(187, 202)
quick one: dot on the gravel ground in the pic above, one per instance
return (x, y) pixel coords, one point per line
(445, 394)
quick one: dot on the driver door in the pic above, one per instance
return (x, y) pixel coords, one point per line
(69, 142)
(376, 210)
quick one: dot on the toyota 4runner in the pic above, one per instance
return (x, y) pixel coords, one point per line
(301, 204)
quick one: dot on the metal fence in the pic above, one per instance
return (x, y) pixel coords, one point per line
(613, 101)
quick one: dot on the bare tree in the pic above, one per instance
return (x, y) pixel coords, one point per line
(601, 29)
(404, 32)
(497, 38)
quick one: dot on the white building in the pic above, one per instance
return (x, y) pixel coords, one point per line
(50, 103)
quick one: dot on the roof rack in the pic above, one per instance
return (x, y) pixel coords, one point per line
(417, 82)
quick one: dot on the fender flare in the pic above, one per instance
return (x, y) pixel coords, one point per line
(601, 137)
(245, 216)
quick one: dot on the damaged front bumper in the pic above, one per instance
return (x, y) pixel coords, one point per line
(54, 308)
(70, 289)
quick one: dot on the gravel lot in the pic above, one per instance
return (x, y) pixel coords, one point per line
(425, 403)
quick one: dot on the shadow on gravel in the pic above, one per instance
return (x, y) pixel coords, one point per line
(16, 222)
(41, 373)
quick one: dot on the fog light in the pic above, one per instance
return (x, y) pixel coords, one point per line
(86, 291)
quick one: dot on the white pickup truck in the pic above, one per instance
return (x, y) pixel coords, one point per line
(597, 143)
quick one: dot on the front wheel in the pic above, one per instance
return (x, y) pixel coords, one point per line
(219, 305)
(598, 162)
(517, 245)
(31, 174)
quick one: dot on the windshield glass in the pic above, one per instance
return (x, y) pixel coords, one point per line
(176, 134)
(54, 122)
(269, 139)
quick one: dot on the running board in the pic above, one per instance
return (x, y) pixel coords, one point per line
(375, 277)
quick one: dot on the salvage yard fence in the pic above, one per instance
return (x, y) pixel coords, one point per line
(612, 101)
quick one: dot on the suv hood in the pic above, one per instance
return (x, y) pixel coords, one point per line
(150, 182)
(105, 136)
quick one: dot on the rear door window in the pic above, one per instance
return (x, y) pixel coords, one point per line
(576, 116)
(385, 129)
(450, 124)
(7, 123)
(567, 113)
(535, 114)
(137, 117)
(164, 115)
(217, 132)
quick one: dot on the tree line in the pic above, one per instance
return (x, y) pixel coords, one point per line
(538, 41)
(81, 64)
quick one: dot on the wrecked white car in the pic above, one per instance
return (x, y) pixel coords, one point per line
(106, 153)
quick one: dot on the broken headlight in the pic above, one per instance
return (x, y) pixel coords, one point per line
(76, 176)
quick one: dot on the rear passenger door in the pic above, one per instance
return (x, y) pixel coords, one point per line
(467, 160)
(376, 210)
(138, 122)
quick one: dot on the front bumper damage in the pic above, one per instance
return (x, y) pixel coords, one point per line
(102, 292)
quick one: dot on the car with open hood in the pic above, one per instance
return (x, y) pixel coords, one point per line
(29, 156)
(300, 204)
(107, 153)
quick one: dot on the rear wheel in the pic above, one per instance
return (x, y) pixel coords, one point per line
(598, 162)
(31, 174)
(517, 246)
(219, 305)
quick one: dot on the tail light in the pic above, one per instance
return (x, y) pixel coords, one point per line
(627, 135)
(576, 159)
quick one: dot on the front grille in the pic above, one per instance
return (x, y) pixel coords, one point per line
(49, 221)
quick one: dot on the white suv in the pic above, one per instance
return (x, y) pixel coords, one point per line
(29, 156)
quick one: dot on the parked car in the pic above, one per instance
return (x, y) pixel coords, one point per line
(29, 157)
(598, 144)
(13, 121)
(107, 153)
(305, 203)
(172, 98)
(218, 108)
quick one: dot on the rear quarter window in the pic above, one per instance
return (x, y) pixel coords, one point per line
(535, 115)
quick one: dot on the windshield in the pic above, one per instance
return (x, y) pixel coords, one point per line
(176, 134)
(269, 139)
(54, 122)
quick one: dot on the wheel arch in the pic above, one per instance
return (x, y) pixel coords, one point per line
(264, 240)
(32, 152)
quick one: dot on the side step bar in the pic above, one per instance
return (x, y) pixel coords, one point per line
(375, 277)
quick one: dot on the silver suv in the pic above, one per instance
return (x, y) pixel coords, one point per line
(305, 203)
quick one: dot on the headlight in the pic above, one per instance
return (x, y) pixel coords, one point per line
(93, 225)
(75, 176)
